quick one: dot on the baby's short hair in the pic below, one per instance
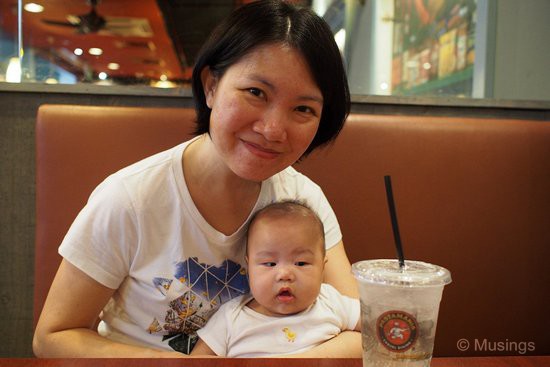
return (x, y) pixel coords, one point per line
(288, 207)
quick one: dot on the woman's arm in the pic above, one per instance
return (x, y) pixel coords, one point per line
(202, 349)
(343, 280)
(338, 271)
(65, 327)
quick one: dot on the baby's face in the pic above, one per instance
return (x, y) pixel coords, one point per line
(285, 264)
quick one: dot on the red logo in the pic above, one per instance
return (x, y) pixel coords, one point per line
(397, 330)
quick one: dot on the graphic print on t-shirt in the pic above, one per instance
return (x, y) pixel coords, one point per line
(162, 284)
(208, 286)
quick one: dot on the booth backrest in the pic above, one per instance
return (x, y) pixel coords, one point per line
(472, 195)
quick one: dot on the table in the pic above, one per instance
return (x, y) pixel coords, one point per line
(515, 361)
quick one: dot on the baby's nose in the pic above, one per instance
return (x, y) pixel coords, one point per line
(285, 273)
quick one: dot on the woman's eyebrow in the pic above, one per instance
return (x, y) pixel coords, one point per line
(271, 86)
(260, 79)
(311, 98)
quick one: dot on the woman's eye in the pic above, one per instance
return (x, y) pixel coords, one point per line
(255, 91)
(305, 109)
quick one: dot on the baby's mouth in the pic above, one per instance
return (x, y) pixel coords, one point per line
(285, 295)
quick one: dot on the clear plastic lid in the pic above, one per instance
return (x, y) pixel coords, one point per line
(413, 274)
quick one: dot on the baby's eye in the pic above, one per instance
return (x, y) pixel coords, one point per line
(269, 264)
(301, 263)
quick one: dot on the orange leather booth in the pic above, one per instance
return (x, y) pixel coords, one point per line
(472, 195)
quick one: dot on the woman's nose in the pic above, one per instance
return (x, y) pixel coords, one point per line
(272, 126)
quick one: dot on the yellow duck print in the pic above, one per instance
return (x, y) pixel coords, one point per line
(290, 335)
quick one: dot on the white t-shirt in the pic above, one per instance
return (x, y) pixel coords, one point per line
(141, 234)
(236, 330)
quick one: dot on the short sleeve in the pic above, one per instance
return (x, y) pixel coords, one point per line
(215, 332)
(333, 235)
(102, 239)
(346, 308)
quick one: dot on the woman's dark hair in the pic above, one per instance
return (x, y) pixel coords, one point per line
(269, 22)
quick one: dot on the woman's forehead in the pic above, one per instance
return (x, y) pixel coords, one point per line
(275, 65)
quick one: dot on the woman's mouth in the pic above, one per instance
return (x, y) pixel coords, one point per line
(260, 151)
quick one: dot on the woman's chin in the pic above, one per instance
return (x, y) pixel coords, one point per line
(255, 173)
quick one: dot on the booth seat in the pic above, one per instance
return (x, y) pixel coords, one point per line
(472, 195)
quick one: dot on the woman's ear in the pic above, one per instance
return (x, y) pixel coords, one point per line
(209, 83)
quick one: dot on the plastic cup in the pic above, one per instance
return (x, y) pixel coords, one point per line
(399, 308)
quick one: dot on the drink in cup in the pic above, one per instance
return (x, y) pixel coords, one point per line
(399, 308)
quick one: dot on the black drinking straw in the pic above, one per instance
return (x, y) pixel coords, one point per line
(395, 227)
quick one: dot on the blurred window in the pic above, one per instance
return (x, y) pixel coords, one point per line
(429, 48)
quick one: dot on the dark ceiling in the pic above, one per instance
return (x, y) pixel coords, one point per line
(150, 40)
(147, 38)
(189, 22)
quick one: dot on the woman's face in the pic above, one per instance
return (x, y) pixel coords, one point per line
(266, 109)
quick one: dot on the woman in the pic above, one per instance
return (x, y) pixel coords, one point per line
(160, 244)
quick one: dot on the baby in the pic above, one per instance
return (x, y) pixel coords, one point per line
(289, 309)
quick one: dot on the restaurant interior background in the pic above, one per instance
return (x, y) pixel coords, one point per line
(428, 57)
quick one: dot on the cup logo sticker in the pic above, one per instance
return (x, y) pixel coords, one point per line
(397, 330)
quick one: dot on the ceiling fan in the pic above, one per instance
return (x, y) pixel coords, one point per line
(90, 22)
